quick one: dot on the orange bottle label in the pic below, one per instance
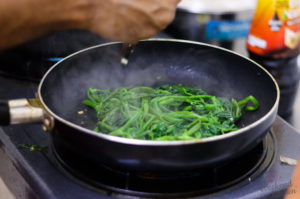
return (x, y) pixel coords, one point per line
(275, 28)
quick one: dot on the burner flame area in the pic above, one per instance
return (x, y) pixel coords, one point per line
(229, 175)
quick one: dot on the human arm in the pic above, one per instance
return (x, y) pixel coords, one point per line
(121, 20)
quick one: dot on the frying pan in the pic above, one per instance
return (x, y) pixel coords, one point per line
(218, 71)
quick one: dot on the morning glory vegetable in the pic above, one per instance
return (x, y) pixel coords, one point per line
(168, 112)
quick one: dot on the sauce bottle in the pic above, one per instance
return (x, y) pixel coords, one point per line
(274, 42)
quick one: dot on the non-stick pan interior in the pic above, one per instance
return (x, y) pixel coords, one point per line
(152, 63)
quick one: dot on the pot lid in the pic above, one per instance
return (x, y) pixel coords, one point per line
(217, 6)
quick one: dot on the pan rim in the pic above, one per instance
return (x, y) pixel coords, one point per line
(153, 142)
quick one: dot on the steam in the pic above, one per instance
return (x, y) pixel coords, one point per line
(101, 68)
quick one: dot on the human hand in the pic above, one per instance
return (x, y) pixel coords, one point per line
(120, 20)
(130, 20)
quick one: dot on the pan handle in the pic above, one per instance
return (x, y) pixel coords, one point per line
(21, 111)
(4, 113)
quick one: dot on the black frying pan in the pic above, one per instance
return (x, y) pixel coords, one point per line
(218, 71)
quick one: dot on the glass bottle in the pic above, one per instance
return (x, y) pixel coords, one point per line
(274, 42)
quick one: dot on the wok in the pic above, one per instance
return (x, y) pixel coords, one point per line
(218, 71)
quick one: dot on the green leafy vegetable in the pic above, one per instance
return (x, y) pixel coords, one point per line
(168, 112)
(33, 147)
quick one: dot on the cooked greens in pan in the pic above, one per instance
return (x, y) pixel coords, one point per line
(168, 112)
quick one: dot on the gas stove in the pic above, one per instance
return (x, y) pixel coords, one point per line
(35, 174)
(43, 175)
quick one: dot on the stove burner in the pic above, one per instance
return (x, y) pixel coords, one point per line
(232, 174)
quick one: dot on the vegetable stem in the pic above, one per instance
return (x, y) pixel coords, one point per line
(168, 112)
